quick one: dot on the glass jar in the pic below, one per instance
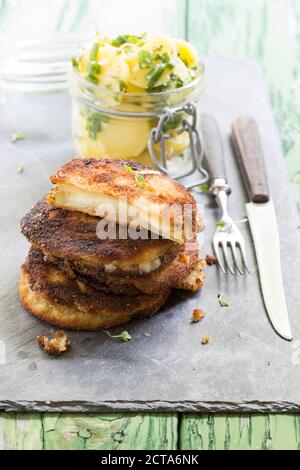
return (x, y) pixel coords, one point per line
(120, 125)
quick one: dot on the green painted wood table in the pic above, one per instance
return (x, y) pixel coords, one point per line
(266, 29)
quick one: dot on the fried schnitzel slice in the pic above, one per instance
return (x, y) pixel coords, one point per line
(129, 193)
(71, 236)
(50, 295)
(176, 274)
(185, 272)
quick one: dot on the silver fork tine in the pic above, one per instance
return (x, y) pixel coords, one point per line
(235, 258)
(224, 245)
(218, 255)
(241, 245)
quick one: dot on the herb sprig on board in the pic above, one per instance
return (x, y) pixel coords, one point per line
(124, 336)
(15, 136)
(222, 302)
(20, 168)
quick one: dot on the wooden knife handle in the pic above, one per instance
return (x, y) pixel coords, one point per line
(248, 150)
(213, 148)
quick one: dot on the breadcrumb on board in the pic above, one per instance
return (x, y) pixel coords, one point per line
(58, 344)
(198, 315)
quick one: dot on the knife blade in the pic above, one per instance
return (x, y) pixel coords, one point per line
(263, 222)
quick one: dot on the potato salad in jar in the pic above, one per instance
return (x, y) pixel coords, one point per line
(123, 87)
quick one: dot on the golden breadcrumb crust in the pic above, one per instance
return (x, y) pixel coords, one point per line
(72, 236)
(185, 272)
(110, 177)
(157, 199)
(49, 295)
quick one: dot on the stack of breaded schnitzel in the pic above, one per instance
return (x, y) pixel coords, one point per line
(109, 243)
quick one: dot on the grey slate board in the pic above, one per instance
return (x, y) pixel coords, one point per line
(245, 367)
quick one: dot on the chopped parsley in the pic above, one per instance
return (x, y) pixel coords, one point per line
(204, 187)
(124, 336)
(128, 168)
(194, 73)
(139, 179)
(20, 168)
(94, 52)
(159, 88)
(93, 122)
(94, 68)
(220, 224)
(174, 123)
(15, 136)
(176, 81)
(91, 78)
(222, 302)
(123, 85)
(74, 61)
(119, 41)
(127, 39)
(154, 75)
(162, 57)
(145, 59)
(157, 71)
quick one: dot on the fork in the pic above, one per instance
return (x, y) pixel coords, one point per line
(228, 242)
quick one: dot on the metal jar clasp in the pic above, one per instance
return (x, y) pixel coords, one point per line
(159, 136)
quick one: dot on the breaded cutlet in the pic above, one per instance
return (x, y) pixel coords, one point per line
(154, 201)
(70, 237)
(68, 240)
(185, 272)
(50, 295)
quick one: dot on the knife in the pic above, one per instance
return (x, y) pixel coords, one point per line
(263, 224)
